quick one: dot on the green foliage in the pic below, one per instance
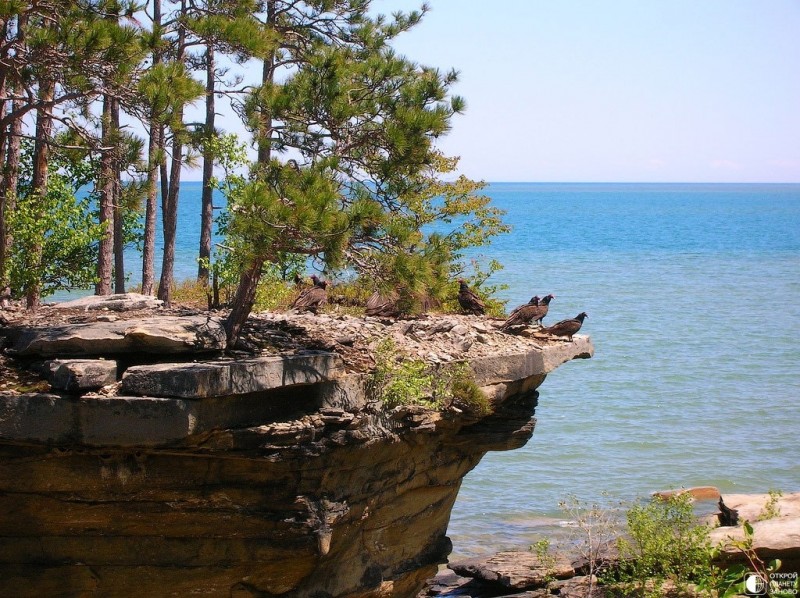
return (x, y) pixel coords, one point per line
(771, 509)
(60, 223)
(663, 543)
(465, 394)
(547, 561)
(164, 89)
(399, 380)
(363, 192)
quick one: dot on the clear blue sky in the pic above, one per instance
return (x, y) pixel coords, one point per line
(618, 90)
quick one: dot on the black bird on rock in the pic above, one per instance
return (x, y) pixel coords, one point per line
(469, 300)
(314, 298)
(567, 327)
(530, 312)
(534, 301)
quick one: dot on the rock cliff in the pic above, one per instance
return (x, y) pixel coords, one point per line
(274, 472)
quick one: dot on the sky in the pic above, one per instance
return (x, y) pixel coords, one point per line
(618, 90)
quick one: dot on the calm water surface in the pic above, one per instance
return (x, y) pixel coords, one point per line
(692, 293)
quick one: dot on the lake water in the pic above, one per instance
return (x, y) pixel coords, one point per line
(693, 296)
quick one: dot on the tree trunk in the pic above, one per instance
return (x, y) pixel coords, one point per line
(149, 248)
(169, 202)
(169, 221)
(207, 213)
(10, 183)
(248, 282)
(264, 133)
(5, 194)
(41, 158)
(105, 256)
(243, 301)
(119, 240)
(154, 148)
(119, 229)
(12, 150)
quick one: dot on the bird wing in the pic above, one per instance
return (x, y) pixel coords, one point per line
(313, 297)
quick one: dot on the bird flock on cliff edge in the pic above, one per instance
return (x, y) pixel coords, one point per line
(313, 297)
(532, 312)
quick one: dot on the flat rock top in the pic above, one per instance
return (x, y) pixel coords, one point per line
(430, 337)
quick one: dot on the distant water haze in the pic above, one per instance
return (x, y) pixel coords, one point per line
(693, 296)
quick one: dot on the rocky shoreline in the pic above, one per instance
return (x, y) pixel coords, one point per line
(524, 573)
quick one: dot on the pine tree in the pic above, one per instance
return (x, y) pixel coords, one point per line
(362, 123)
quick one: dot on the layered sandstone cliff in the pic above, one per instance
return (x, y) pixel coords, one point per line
(270, 473)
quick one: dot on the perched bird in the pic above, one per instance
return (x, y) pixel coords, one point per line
(546, 303)
(469, 300)
(312, 299)
(530, 312)
(567, 327)
(534, 301)
(384, 306)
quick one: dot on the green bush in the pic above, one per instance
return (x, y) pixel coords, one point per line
(400, 380)
(664, 543)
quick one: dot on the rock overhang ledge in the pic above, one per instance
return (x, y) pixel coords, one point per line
(306, 486)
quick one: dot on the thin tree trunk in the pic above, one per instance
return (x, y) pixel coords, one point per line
(105, 256)
(169, 201)
(153, 152)
(149, 248)
(41, 157)
(169, 219)
(10, 183)
(207, 209)
(5, 190)
(267, 77)
(119, 229)
(11, 160)
(119, 240)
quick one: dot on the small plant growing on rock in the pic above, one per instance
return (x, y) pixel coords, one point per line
(541, 548)
(461, 391)
(596, 528)
(771, 508)
(400, 380)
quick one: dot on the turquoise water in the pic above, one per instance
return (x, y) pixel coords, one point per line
(693, 296)
(692, 293)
